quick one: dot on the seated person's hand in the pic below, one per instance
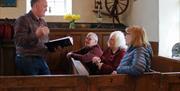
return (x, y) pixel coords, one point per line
(96, 60)
(114, 72)
(99, 65)
(69, 55)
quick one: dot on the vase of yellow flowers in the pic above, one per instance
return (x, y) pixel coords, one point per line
(72, 18)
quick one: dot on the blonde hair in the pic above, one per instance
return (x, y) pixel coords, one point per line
(139, 37)
(119, 39)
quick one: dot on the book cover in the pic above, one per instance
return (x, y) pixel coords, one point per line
(62, 42)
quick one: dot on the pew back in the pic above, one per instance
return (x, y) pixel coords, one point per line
(170, 81)
(163, 64)
(43, 83)
(148, 82)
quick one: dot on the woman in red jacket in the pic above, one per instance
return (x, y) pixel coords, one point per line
(112, 56)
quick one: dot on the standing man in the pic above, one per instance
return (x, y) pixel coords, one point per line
(31, 32)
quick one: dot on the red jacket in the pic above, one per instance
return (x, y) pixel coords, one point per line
(86, 54)
(111, 60)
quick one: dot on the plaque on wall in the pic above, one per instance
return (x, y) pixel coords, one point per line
(7, 3)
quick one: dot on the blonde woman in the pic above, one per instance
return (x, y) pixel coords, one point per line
(112, 56)
(139, 54)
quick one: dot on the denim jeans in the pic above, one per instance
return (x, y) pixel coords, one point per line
(32, 65)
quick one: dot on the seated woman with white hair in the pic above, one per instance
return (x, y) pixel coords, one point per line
(112, 56)
(85, 54)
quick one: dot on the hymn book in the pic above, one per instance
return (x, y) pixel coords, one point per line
(62, 42)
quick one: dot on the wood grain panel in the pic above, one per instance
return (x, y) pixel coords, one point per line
(111, 83)
(153, 81)
(170, 81)
(43, 83)
(163, 64)
(148, 82)
(155, 47)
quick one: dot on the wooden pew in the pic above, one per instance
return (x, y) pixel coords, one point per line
(153, 81)
(163, 64)
(170, 73)
(122, 82)
(68, 83)
(170, 81)
(150, 81)
(43, 83)
(111, 83)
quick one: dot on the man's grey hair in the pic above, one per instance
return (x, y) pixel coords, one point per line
(93, 36)
(33, 2)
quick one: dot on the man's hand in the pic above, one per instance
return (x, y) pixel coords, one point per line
(42, 31)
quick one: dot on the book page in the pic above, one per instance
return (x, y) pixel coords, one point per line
(68, 37)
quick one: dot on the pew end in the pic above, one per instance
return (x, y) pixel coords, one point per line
(163, 64)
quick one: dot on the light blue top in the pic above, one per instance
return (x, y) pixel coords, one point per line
(136, 61)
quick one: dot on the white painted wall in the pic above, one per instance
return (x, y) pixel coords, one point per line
(144, 13)
(82, 7)
(169, 26)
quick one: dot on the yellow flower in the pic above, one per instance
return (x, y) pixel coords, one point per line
(76, 17)
(72, 17)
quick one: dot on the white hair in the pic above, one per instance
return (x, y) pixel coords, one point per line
(93, 36)
(119, 39)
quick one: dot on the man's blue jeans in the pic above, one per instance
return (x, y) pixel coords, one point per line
(32, 65)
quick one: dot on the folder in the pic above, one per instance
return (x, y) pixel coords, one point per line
(60, 42)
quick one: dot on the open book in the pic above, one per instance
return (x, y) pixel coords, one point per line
(62, 42)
